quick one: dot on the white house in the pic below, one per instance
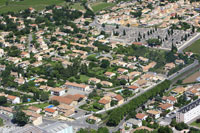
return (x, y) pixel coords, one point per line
(57, 91)
(81, 87)
(131, 122)
(13, 99)
(154, 113)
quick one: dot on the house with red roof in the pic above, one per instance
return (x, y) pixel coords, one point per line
(133, 88)
(141, 116)
(169, 99)
(119, 99)
(13, 99)
(49, 112)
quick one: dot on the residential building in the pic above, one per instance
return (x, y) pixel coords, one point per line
(50, 112)
(93, 80)
(169, 99)
(119, 99)
(57, 91)
(34, 109)
(6, 111)
(66, 110)
(133, 122)
(109, 74)
(13, 99)
(76, 86)
(133, 88)
(141, 116)
(104, 102)
(169, 66)
(35, 119)
(106, 84)
(122, 71)
(154, 113)
(64, 100)
(166, 106)
(188, 112)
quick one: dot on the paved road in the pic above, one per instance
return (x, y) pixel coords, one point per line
(77, 124)
(188, 43)
(15, 90)
(173, 76)
(30, 38)
(7, 120)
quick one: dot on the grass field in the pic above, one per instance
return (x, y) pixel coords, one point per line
(101, 5)
(195, 47)
(37, 4)
(195, 124)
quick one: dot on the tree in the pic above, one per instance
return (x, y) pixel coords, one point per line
(105, 63)
(113, 103)
(181, 126)
(3, 100)
(44, 96)
(124, 32)
(99, 86)
(20, 118)
(173, 123)
(54, 102)
(103, 130)
(165, 129)
(137, 14)
(153, 42)
(123, 82)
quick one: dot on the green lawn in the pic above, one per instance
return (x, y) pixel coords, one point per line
(84, 78)
(101, 5)
(21, 5)
(195, 124)
(77, 6)
(195, 47)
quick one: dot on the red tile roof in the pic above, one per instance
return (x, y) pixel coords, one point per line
(103, 101)
(118, 97)
(140, 115)
(50, 110)
(62, 99)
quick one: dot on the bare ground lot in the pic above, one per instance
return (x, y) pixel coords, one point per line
(192, 78)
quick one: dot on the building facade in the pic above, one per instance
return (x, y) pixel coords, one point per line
(189, 112)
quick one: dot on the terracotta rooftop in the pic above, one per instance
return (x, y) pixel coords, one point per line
(104, 101)
(154, 112)
(64, 106)
(118, 97)
(134, 87)
(57, 89)
(11, 97)
(75, 84)
(140, 115)
(165, 106)
(33, 108)
(63, 100)
(6, 109)
(50, 110)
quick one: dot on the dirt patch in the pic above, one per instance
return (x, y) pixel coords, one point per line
(192, 78)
